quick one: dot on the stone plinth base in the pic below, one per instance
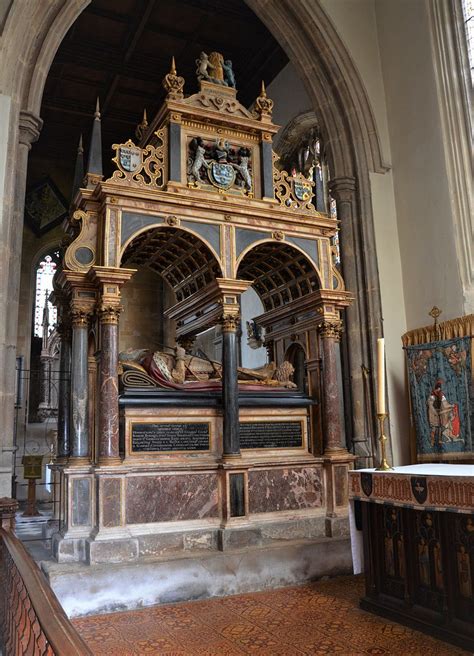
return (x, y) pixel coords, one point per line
(84, 590)
(117, 549)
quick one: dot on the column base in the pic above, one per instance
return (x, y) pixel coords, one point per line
(79, 461)
(106, 461)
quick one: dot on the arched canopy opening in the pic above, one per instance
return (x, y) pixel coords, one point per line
(280, 273)
(184, 260)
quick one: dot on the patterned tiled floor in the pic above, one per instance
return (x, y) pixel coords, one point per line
(321, 618)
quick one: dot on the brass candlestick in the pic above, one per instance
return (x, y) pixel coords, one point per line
(384, 466)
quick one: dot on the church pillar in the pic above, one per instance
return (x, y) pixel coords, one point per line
(330, 332)
(361, 318)
(80, 447)
(64, 390)
(230, 385)
(108, 386)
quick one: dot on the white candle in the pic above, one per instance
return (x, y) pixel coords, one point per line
(381, 376)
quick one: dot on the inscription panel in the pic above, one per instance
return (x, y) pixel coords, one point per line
(271, 434)
(151, 437)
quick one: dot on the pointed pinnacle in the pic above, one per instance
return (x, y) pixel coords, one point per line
(97, 109)
(80, 148)
(173, 66)
(145, 118)
(263, 92)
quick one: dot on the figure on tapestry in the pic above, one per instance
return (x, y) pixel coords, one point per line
(443, 416)
(441, 391)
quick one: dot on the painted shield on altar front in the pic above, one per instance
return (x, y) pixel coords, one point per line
(366, 483)
(221, 175)
(302, 190)
(419, 487)
(130, 158)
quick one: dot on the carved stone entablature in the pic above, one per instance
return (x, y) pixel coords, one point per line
(225, 166)
(330, 329)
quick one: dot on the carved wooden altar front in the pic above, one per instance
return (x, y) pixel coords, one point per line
(199, 199)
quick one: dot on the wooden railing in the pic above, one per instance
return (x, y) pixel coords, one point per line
(32, 622)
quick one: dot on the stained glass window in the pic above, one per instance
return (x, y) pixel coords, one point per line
(44, 286)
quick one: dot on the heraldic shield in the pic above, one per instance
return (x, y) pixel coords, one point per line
(366, 483)
(419, 487)
(130, 158)
(221, 175)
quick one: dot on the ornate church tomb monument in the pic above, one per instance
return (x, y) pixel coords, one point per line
(162, 449)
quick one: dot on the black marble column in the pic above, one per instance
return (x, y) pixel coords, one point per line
(79, 426)
(64, 391)
(230, 386)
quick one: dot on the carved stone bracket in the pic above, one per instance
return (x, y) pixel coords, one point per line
(331, 329)
(30, 128)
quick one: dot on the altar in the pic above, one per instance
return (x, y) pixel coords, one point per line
(165, 442)
(412, 531)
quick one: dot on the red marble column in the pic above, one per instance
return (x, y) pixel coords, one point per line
(330, 332)
(108, 387)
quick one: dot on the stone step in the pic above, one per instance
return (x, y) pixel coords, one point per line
(103, 588)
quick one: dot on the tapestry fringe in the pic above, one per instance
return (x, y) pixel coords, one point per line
(460, 327)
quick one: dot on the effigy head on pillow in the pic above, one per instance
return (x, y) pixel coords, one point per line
(179, 370)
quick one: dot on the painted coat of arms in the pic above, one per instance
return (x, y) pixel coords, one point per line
(130, 158)
(225, 167)
(441, 392)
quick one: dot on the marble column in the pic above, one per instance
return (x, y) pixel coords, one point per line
(108, 386)
(230, 386)
(64, 391)
(79, 426)
(363, 317)
(330, 332)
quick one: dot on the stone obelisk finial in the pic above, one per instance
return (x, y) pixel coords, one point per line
(142, 127)
(94, 172)
(78, 170)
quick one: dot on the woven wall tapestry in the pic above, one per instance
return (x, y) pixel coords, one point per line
(442, 400)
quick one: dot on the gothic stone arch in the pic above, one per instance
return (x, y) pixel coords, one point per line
(341, 103)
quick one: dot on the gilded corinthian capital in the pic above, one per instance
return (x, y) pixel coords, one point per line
(109, 314)
(230, 323)
(330, 329)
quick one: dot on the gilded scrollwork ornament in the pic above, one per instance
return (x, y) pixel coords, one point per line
(142, 167)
